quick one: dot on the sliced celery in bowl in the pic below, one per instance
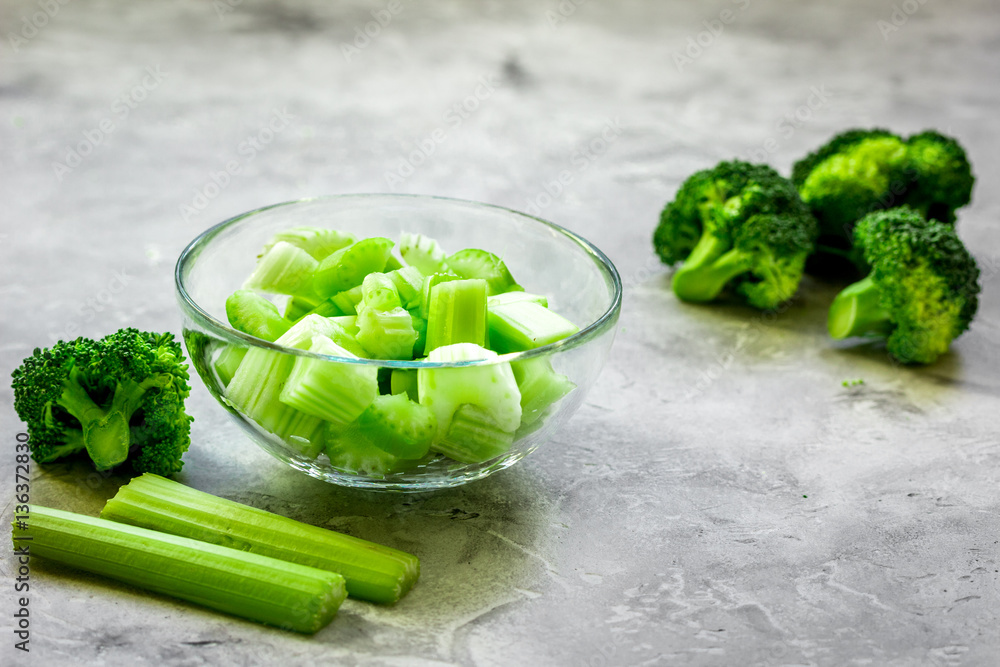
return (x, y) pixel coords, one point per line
(448, 284)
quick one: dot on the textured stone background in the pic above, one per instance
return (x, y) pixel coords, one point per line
(720, 499)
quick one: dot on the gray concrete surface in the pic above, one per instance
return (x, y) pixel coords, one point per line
(721, 499)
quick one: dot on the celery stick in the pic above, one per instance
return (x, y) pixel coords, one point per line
(421, 252)
(524, 325)
(354, 451)
(252, 314)
(399, 426)
(249, 585)
(348, 300)
(329, 308)
(228, 361)
(333, 391)
(409, 284)
(475, 263)
(403, 381)
(491, 387)
(515, 297)
(457, 314)
(540, 387)
(372, 571)
(317, 241)
(378, 291)
(420, 326)
(347, 267)
(387, 334)
(425, 293)
(473, 436)
(299, 306)
(283, 269)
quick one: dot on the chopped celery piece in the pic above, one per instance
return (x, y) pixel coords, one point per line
(392, 264)
(255, 388)
(378, 291)
(403, 381)
(299, 306)
(399, 426)
(334, 391)
(456, 314)
(540, 387)
(372, 572)
(347, 267)
(429, 283)
(409, 284)
(353, 450)
(421, 252)
(228, 361)
(329, 308)
(348, 300)
(387, 334)
(524, 325)
(420, 326)
(474, 263)
(515, 297)
(473, 436)
(252, 314)
(491, 387)
(249, 585)
(349, 323)
(317, 241)
(283, 269)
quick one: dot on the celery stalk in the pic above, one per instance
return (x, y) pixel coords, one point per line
(525, 325)
(284, 269)
(372, 571)
(250, 585)
(473, 436)
(456, 314)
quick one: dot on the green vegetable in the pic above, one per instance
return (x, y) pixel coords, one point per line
(319, 242)
(252, 314)
(385, 329)
(474, 263)
(473, 436)
(120, 398)
(456, 314)
(248, 585)
(540, 386)
(922, 291)
(399, 426)
(861, 171)
(372, 571)
(738, 226)
(525, 325)
(348, 267)
(422, 252)
(283, 269)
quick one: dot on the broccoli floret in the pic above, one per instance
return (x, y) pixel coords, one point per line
(862, 171)
(922, 291)
(119, 398)
(738, 225)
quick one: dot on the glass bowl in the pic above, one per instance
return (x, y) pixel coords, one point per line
(579, 281)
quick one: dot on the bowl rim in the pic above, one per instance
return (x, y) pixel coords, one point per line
(223, 330)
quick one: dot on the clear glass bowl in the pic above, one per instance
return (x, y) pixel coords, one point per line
(579, 281)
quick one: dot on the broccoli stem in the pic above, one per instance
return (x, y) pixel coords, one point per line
(857, 310)
(707, 270)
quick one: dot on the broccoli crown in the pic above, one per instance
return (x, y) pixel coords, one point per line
(119, 398)
(928, 283)
(738, 224)
(861, 171)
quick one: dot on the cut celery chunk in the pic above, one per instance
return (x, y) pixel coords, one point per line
(229, 359)
(252, 314)
(409, 284)
(421, 252)
(335, 392)
(473, 436)
(491, 387)
(430, 282)
(457, 314)
(352, 450)
(403, 381)
(319, 242)
(524, 325)
(299, 306)
(371, 571)
(515, 297)
(540, 387)
(283, 269)
(378, 291)
(348, 267)
(249, 585)
(387, 334)
(475, 263)
(399, 426)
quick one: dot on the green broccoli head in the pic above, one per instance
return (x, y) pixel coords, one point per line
(943, 177)
(922, 291)
(738, 225)
(120, 398)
